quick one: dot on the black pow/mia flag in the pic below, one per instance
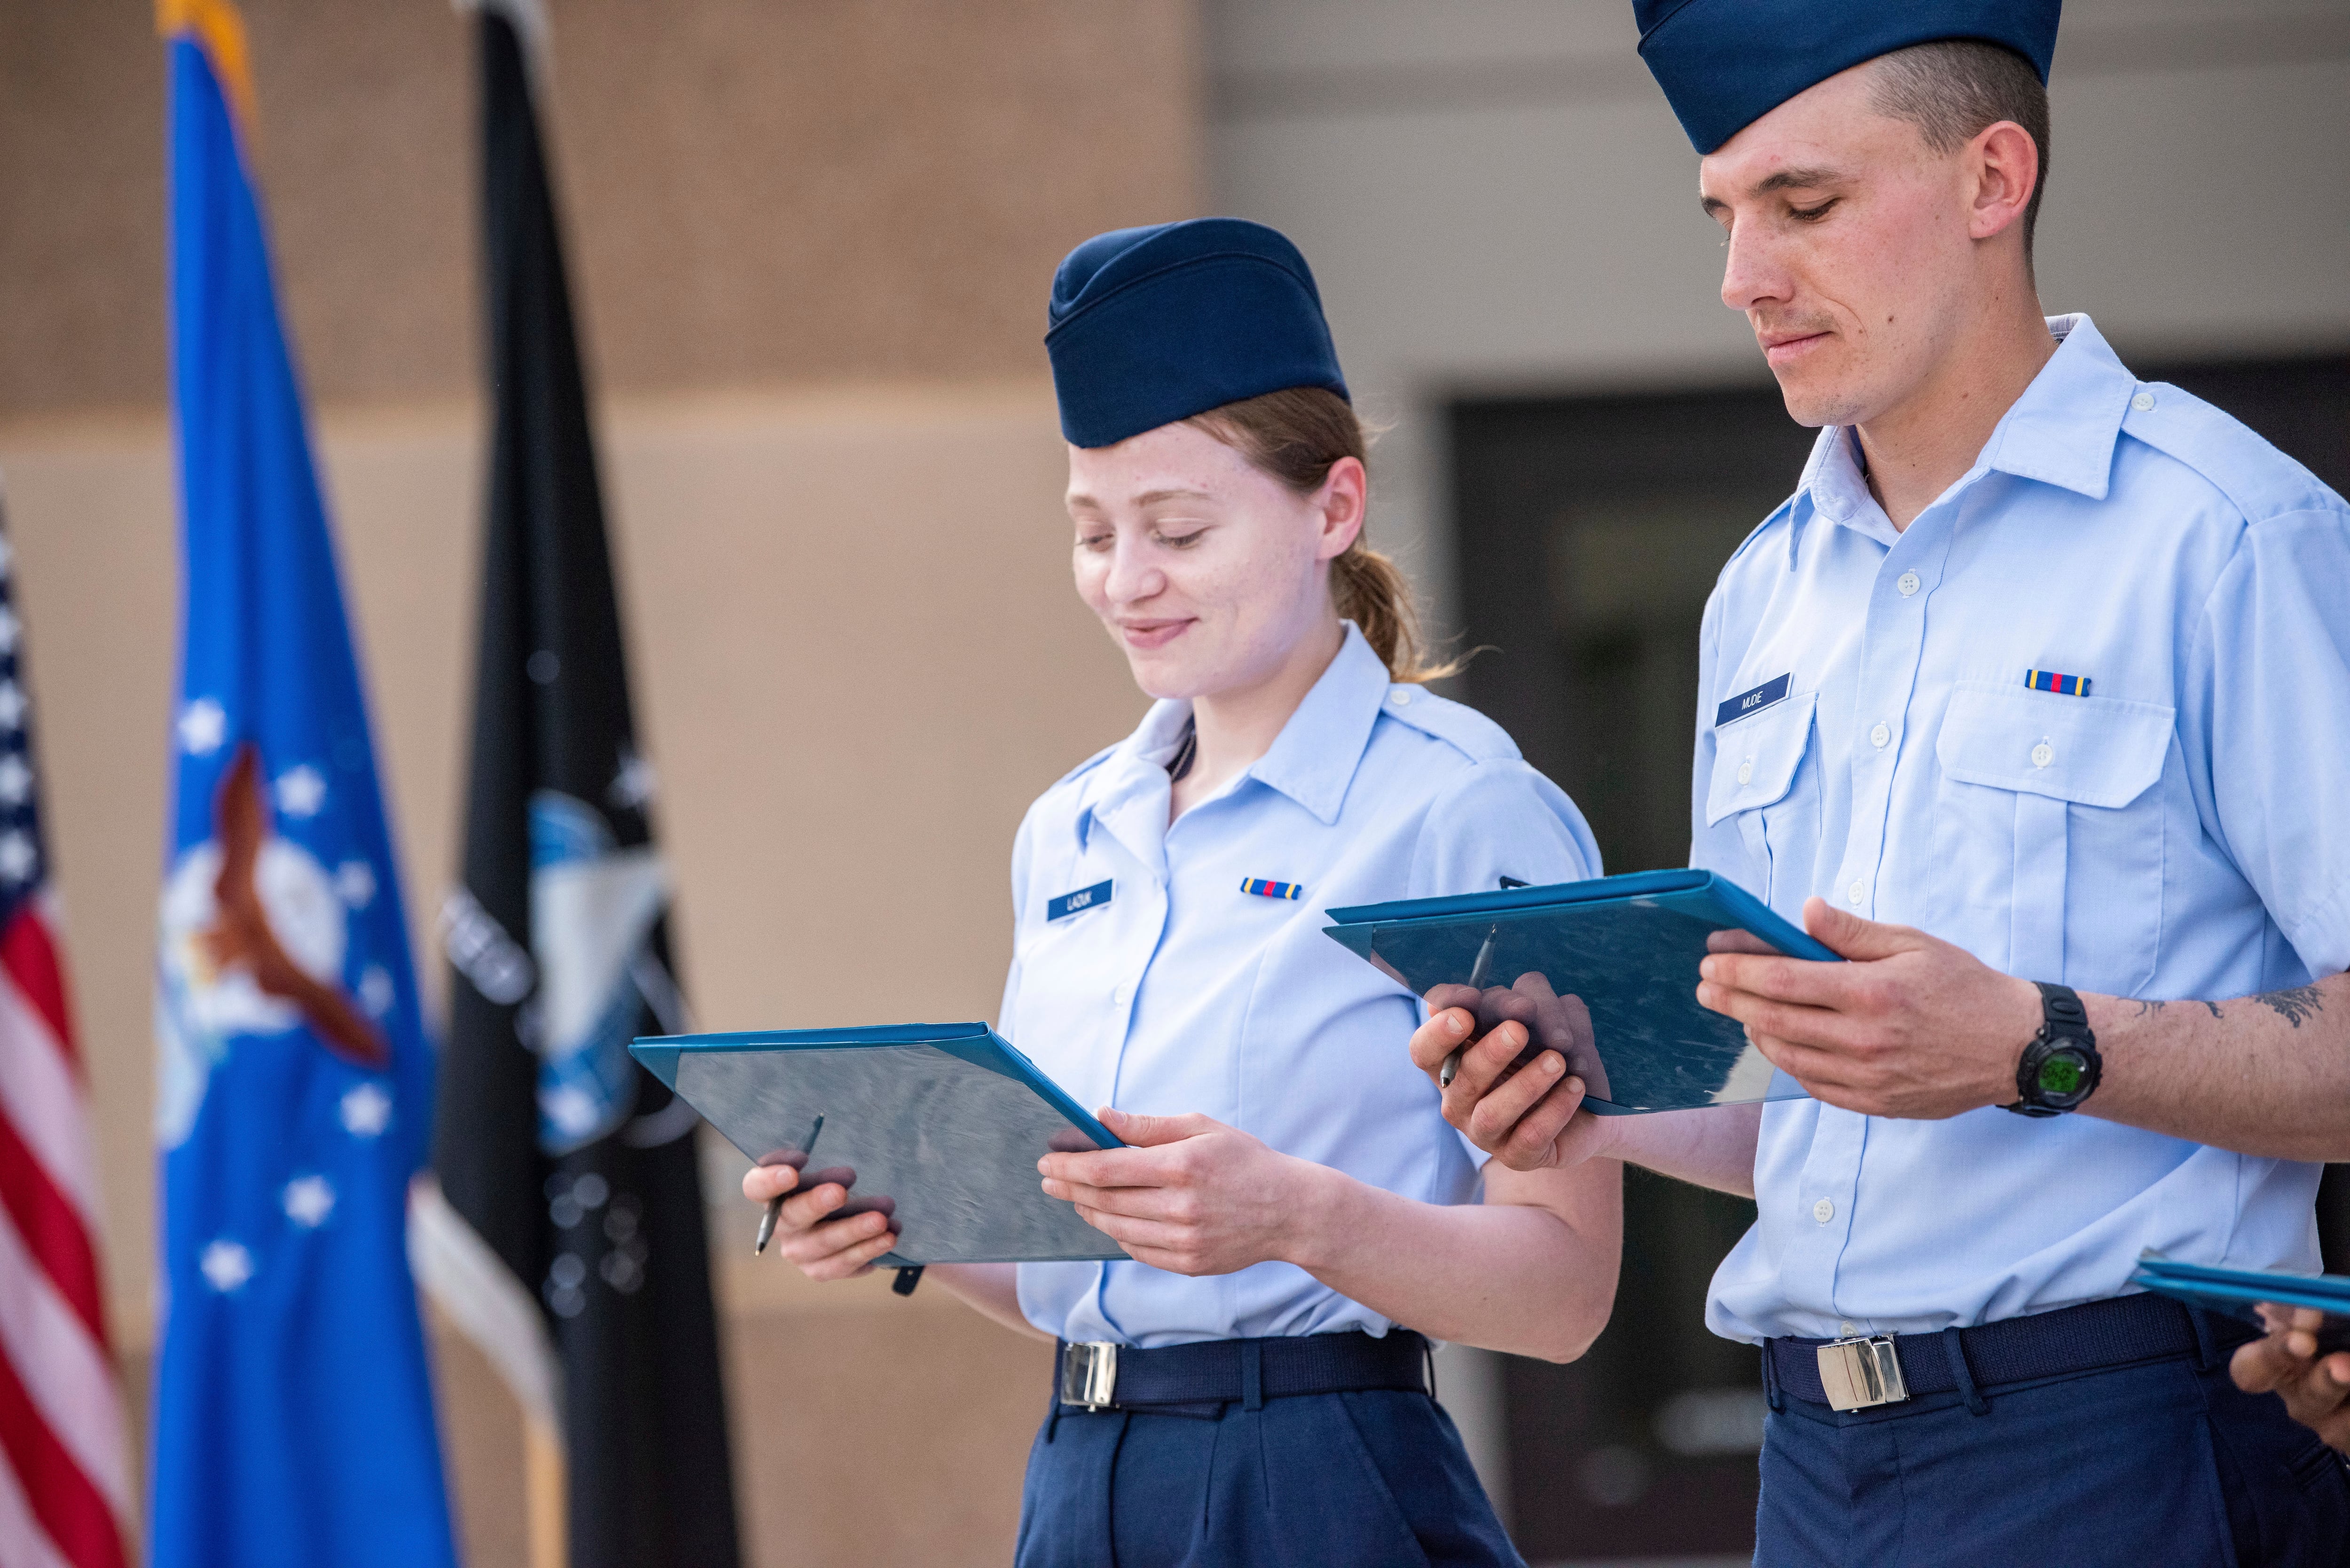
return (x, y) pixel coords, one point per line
(569, 1215)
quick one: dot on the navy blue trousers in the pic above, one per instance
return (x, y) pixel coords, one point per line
(1363, 1479)
(2158, 1464)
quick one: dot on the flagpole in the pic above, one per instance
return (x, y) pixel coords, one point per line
(544, 1493)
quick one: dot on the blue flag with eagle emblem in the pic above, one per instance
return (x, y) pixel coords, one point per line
(292, 1409)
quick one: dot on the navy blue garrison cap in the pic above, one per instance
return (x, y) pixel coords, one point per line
(1151, 325)
(1725, 64)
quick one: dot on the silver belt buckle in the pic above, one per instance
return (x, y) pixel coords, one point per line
(1861, 1373)
(1089, 1374)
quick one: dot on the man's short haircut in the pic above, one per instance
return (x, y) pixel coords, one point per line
(1952, 89)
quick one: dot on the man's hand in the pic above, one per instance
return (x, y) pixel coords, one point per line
(1186, 1194)
(1521, 1112)
(2315, 1389)
(1912, 1027)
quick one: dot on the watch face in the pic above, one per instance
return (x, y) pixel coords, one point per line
(2062, 1073)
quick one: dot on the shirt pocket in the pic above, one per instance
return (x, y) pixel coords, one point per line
(2048, 835)
(1761, 777)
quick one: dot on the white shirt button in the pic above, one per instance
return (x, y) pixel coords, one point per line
(1399, 696)
(1856, 892)
(1823, 1211)
(1881, 737)
(1746, 771)
(2142, 401)
(1121, 993)
(2043, 754)
(1847, 1327)
(1908, 583)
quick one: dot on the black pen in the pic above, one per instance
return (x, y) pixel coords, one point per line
(775, 1204)
(1477, 983)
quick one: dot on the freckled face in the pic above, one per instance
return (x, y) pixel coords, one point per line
(1848, 249)
(1206, 571)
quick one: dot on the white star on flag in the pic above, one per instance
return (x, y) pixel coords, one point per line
(202, 726)
(10, 628)
(17, 857)
(355, 883)
(309, 1200)
(15, 780)
(227, 1265)
(13, 704)
(635, 784)
(367, 1111)
(301, 791)
(375, 990)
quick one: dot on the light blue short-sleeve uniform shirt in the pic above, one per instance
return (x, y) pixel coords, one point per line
(2170, 825)
(1170, 968)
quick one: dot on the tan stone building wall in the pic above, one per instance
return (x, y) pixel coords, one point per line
(811, 244)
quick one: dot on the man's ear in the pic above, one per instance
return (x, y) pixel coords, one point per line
(2007, 171)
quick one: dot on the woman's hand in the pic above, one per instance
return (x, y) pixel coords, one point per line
(1188, 1194)
(823, 1249)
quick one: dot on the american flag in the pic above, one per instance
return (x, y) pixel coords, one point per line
(65, 1493)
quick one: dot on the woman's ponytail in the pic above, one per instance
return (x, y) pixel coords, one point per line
(1297, 435)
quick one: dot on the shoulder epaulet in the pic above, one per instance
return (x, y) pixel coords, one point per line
(1462, 728)
(2258, 479)
(1778, 514)
(1088, 765)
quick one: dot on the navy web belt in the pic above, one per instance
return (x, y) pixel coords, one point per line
(1861, 1373)
(1096, 1376)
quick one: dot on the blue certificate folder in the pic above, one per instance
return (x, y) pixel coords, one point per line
(945, 1120)
(2239, 1292)
(1630, 947)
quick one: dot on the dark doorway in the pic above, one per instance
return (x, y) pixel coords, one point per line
(1590, 531)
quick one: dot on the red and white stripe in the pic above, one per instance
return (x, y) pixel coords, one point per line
(65, 1489)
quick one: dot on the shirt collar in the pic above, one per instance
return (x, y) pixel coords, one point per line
(1314, 758)
(1312, 761)
(2060, 431)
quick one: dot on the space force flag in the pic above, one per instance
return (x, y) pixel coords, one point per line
(567, 1236)
(293, 1413)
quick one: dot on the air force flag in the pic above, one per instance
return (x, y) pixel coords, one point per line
(293, 1420)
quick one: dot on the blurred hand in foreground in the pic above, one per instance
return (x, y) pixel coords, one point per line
(2315, 1388)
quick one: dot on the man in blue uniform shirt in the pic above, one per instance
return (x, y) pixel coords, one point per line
(2033, 701)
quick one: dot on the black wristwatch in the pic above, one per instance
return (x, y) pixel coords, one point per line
(2061, 1067)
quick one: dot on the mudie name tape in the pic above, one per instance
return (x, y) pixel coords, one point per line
(1753, 701)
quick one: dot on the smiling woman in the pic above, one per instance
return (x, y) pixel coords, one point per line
(1297, 1219)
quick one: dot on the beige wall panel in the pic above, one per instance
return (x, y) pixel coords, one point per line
(757, 191)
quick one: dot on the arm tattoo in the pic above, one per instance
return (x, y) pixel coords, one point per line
(2146, 1009)
(2214, 1007)
(2294, 1003)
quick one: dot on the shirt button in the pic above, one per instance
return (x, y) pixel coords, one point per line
(1823, 1211)
(2142, 401)
(1399, 696)
(1879, 737)
(1856, 892)
(1908, 583)
(1746, 771)
(1847, 1327)
(2043, 754)
(1121, 993)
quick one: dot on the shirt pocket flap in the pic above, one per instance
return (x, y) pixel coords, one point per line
(1755, 760)
(2091, 751)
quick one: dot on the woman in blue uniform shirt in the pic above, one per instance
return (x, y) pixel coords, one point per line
(1298, 1213)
